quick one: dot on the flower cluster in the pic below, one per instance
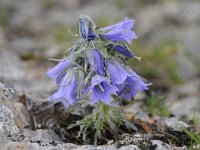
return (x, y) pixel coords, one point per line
(97, 65)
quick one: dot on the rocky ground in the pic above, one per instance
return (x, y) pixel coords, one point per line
(33, 31)
(32, 123)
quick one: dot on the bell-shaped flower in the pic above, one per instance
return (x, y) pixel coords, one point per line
(56, 71)
(131, 86)
(123, 50)
(121, 31)
(118, 73)
(101, 90)
(85, 28)
(67, 90)
(98, 62)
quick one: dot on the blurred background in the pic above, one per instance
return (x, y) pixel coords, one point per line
(32, 31)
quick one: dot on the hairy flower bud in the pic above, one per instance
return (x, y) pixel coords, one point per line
(85, 29)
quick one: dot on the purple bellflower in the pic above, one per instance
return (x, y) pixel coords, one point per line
(67, 91)
(93, 74)
(131, 86)
(118, 73)
(101, 90)
(123, 50)
(56, 71)
(85, 29)
(128, 82)
(98, 62)
(121, 31)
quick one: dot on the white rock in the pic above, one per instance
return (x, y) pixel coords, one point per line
(7, 123)
(163, 146)
(175, 125)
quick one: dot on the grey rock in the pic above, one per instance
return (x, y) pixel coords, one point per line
(163, 146)
(107, 147)
(44, 137)
(183, 101)
(186, 107)
(7, 123)
(9, 99)
(70, 146)
(129, 147)
(63, 146)
(19, 146)
(175, 125)
(23, 114)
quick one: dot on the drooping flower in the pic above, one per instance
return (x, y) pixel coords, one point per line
(98, 62)
(85, 29)
(56, 71)
(121, 31)
(123, 50)
(131, 86)
(101, 90)
(118, 73)
(60, 78)
(67, 91)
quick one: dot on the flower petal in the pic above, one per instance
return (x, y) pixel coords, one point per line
(131, 86)
(118, 74)
(101, 90)
(98, 62)
(67, 90)
(126, 24)
(123, 51)
(59, 68)
(120, 32)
